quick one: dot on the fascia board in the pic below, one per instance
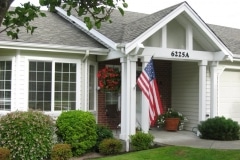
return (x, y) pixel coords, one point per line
(52, 48)
(184, 7)
(92, 33)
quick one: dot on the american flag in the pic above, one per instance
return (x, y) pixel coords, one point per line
(148, 84)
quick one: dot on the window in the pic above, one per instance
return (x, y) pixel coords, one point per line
(5, 85)
(46, 90)
(65, 86)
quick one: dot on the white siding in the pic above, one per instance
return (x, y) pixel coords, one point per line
(176, 35)
(185, 91)
(208, 94)
(20, 61)
(21, 83)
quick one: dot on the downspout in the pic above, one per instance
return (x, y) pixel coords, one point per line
(85, 58)
(86, 55)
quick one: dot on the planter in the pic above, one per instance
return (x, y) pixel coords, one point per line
(171, 124)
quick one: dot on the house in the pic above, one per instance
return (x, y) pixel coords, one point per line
(197, 66)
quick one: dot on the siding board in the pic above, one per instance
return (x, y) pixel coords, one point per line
(185, 92)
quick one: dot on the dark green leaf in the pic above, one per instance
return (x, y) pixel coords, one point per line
(125, 5)
(121, 11)
(64, 6)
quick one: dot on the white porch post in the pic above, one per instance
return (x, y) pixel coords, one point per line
(124, 96)
(202, 90)
(145, 104)
(213, 100)
(128, 94)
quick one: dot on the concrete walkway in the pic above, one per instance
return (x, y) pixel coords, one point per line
(190, 139)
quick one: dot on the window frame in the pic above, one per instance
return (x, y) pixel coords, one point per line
(94, 64)
(9, 59)
(53, 62)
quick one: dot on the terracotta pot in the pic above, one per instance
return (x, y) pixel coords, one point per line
(171, 124)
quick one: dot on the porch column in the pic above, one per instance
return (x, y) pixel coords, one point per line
(124, 112)
(202, 90)
(213, 100)
(145, 104)
(128, 101)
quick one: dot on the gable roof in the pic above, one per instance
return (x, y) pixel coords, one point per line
(54, 30)
(134, 29)
(126, 28)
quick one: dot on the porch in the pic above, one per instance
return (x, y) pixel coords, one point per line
(188, 139)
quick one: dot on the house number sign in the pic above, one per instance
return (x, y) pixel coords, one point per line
(179, 54)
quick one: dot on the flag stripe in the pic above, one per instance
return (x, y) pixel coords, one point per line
(148, 84)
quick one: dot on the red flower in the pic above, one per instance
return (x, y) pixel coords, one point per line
(109, 79)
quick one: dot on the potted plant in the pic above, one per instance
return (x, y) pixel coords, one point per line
(171, 120)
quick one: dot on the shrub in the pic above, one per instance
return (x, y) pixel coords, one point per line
(4, 154)
(77, 128)
(102, 133)
(219, 128)
(141, 141)
(28, 135)
(110, 146)
(61, 152)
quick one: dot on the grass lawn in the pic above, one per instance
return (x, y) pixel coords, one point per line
(178, 153)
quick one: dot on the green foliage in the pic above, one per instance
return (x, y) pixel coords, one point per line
(102, 133)
(94, 13)
(110, 146)
(141, 141)
(219, 128)
(4, 154)
(61, 152)
(21, 17)
(99, 11)
(77, 128)
(28, 135)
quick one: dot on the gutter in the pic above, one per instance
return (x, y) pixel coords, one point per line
(52, 48)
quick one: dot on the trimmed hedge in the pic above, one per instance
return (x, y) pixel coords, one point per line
(141, 141)
(110, 146)
(61, 152)
(219, 128)
(4, 154)
(77, 128)
(102, 133)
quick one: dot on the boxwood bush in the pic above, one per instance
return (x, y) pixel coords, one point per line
(61, 152)
(4, 154)
(219, 128)
(103, 132)
(77, 128)
(28, 135)
(141, 141)
(110, 146)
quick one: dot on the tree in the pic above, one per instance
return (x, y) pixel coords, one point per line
(94, 12)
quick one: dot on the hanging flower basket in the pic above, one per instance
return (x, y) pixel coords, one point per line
(109, 79)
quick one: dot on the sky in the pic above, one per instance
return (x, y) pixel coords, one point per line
(219, 12)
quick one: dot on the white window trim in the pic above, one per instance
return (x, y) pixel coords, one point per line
(53, 60)
(94, 87)
(13, 76)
